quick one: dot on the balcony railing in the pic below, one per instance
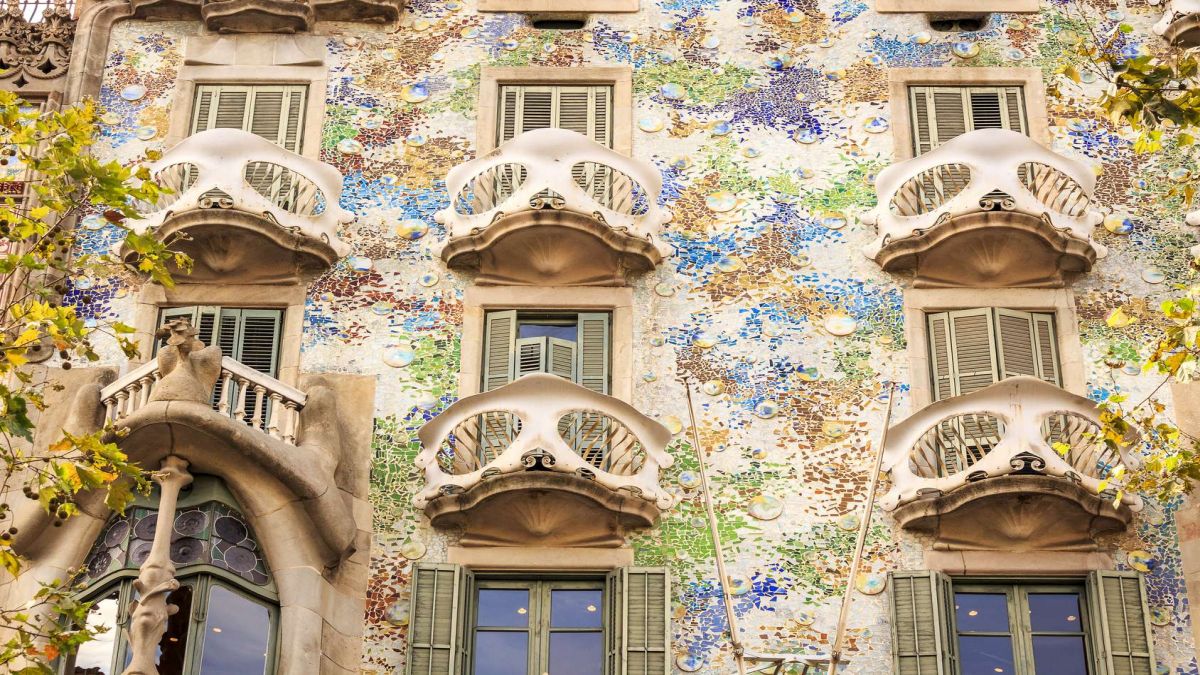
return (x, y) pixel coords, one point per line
(1180, 22)
(980, 172)
(554, 169)
(1010, 427)
(255, 399)
(238, 170)
(543, 423)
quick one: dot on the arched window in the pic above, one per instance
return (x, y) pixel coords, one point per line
(228, 610)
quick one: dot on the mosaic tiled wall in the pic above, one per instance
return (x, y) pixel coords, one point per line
(768, 120)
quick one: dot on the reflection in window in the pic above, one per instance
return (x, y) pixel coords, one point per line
(993, 640)
(95, 657)
(536, 627)
(237, 634)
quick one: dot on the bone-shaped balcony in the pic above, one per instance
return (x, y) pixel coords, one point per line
(268, 16)
(1014, 447)
(1180, 22)
(553, 206)
(241, 393)
(248, 206)
(543, 458)
(988, 208)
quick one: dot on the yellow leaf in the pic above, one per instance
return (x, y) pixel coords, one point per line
(61, 446)
(1118, 318)
(15, 357)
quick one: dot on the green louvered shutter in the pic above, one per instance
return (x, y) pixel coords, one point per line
(439, 617)
(1123, 644)
(962, 349)
(922, 608)
(1046, 345)
(1027, 345)
(939, 355)
(499, 337)
(594, 350)
(530, 356)
(583, 109)
(942, 113)
(275, 112)
(639, 629)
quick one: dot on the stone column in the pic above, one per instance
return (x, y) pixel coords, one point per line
(156, 579)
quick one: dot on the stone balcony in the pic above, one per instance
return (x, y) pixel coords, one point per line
(269, 16)
(553, 207)
(1180, 22)
(978, 471)
(242, 394)
(543, 461)
(989, 208)
(248, 207)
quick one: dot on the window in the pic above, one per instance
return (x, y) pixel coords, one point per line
(275, 112)
(539, 627)
(573, 345)
(250, 336)
(466, 624)
(586, 109)
(228, 614)
(1091, 626)
(970, 349)
(939, 113)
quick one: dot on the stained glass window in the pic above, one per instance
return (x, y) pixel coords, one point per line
(223, 577)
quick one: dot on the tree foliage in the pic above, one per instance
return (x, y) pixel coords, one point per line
(1151, 93)
(52, 179)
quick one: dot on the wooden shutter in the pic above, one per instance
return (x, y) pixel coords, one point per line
(1017, 351)
(531, 356)
(258, 339)
(1123, 644)
(923, 634)
(439, 618)
(594, 351)
(1046, 346)
(939, 355)
(942, 113)
(275, 112)
(973, 362)
(560, 358)
(500, 336)
(583, 109)
(638, 629)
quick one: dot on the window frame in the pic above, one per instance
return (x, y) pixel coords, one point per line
(1021, 633)
(549, 317)
(900, 80)
(539, 628)
(560, 6)
(996, 339)
(617, 301)
(1059, 302)
(491, 79)
(956, 6)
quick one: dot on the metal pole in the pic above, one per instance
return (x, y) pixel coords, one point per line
(863, 528)
(730, 616)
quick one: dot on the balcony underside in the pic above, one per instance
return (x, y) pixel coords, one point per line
(989, 249)
(214, 443)
(258, 16)
(551, 247)
(267, 16)
(230, 246)
(542, 508)
(1184, 31)
(1015, 513)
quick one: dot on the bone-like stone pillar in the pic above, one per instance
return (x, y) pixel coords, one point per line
(156, 580)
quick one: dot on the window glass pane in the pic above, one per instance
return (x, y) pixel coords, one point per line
(981, 612)
(531, 330)
(576, 653)
(1059, 655)
(173, 644)
(95, 657)
(986, 655)
(575, 608)
(501, 652)
(503, 608)
(1055, 612)
(237, 634)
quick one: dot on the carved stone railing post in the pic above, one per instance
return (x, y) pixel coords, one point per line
(156, 580)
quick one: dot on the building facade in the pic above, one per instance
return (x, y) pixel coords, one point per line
(422, 406)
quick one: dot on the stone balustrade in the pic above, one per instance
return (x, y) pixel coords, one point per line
(543, 423)
(230, 169)
(259, 401)
(1180, 22)
(1006, 429)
